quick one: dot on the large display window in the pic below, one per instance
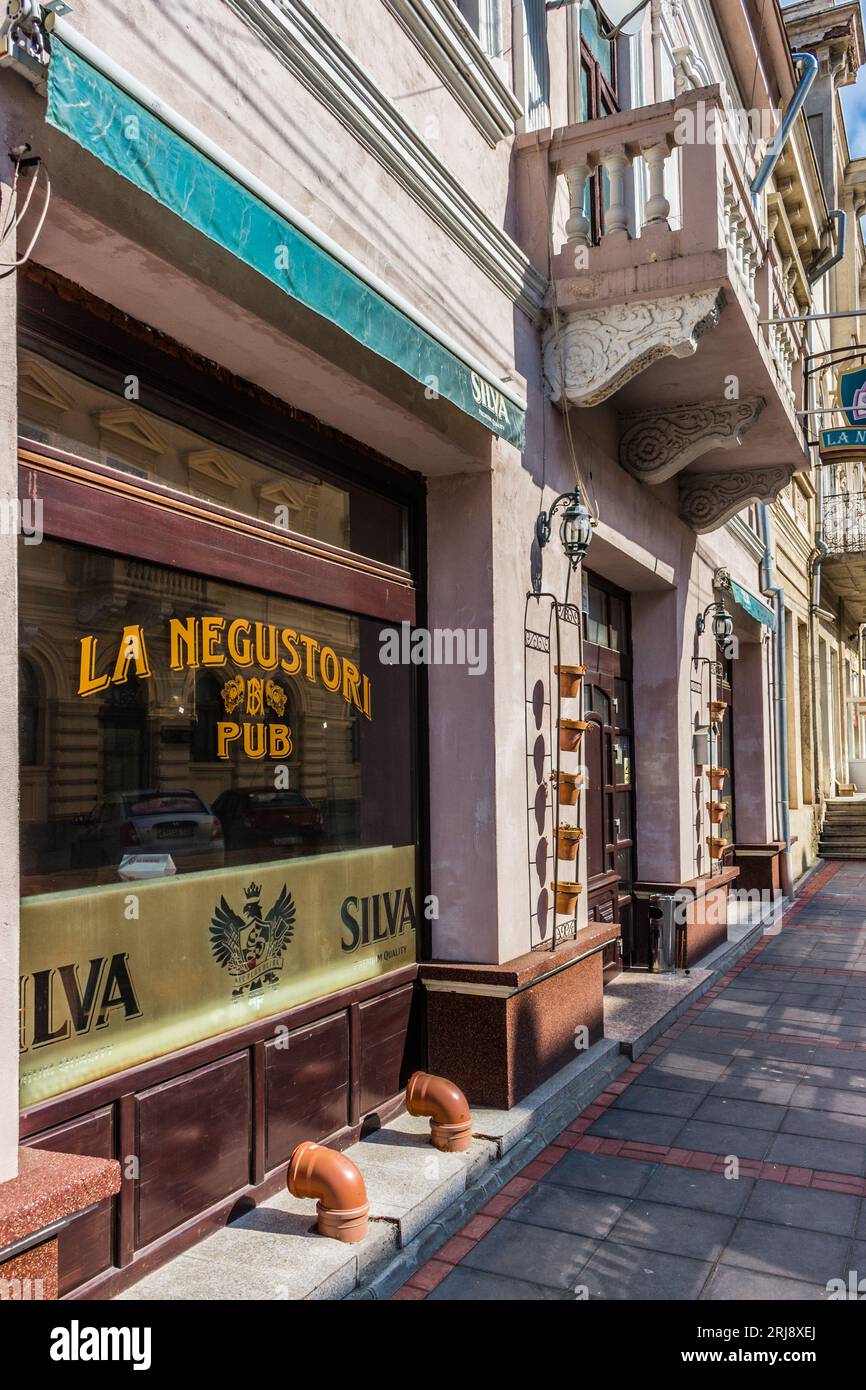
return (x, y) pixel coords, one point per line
(218, 809)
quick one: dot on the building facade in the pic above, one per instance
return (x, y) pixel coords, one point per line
(329, 762)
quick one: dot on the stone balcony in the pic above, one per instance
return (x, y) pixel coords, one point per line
(666, 324)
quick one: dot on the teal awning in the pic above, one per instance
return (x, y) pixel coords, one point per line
(755, 607)
(105, 120)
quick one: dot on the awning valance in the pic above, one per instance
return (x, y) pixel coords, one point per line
(103, 118)
(755, 607)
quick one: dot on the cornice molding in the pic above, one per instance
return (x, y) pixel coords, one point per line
(439, 30)
(656, 444)
(708, 500)
(316, 57)
(743, 534)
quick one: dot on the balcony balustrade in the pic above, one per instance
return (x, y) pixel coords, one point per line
(666, 324)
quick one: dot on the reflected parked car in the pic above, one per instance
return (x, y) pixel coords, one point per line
(257, 818)
(175, 822)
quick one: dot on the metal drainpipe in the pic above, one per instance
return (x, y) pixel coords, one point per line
(770, 587)
(771, 158)
(840, 217)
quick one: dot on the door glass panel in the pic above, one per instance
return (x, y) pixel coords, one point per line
(624, 816)
(616, 610)
(624, 866)
(622, 704)
(596, 620)
(622, 760)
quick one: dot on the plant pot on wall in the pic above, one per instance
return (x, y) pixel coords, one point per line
(717, 811)
(568, 788)
(570, 678)
(716, 777)
(715, 845)
(717, 710)
(568, 841)
(571, 731)
(567, 895)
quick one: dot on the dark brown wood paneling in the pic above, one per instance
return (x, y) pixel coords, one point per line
(89, 513)
(85, 1248)
(194, 1144)
(385, 1055)
(307, 1086)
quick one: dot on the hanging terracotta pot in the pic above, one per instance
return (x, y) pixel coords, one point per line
(715, 846)
(571, 731)
(716, 777)
(568, 841)
(717, 710)
(717, 811)
(570, 678)
(567, 895)
(568, 788)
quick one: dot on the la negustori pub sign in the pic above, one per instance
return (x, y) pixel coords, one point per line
(848, 441)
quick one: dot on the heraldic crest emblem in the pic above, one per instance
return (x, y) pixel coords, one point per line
(252, 950)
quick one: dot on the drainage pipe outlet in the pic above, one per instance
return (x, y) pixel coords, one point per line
(447, 1107)
(334, 1180)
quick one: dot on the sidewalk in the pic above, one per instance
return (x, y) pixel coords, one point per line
(728, 1162)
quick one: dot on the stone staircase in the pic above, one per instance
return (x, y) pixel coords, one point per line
(843, 834)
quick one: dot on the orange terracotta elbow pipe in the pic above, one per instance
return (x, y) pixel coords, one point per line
(333, 1179)
(447, 1107)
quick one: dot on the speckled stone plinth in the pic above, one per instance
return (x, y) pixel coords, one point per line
(498, 1031)
(49, 1188)
(31, 1277)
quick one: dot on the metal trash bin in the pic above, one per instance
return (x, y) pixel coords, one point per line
(663, 920)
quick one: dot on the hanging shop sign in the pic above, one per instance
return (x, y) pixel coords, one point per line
(848, 441)
(255, 702)
(115, 976)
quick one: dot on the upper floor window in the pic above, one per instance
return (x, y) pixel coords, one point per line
(485, 18)
(598, 98)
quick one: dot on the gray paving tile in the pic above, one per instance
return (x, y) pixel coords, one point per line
(821, 1125)
(754, 1088)
(475, 1286)
(751, 1114)
(812, 1097)
(634, 1124)
(787, 1252)
(676, 1081)
(658, 1100)
(569, 1209)
(620, 1177)
(624, 1272)
(730, 1285)
(805, 1207)
(724, 1139)
(682, 1187)
(536, 1254)
(827, 1155)
(675, 1230)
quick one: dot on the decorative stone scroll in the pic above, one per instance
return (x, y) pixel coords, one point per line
(596, 351)
(708, 500)
(656, 444)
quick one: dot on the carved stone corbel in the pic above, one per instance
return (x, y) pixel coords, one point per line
(596, 351)
(656, 444)
(708, 500)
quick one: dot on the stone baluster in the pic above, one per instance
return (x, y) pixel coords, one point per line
(657, 208)
(578, 228)
(614, 162)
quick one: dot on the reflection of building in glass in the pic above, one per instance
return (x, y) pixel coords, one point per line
(80, 751)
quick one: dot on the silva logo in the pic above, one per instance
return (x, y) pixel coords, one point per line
(487, 396)
(77, 1343)
(252, 951)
